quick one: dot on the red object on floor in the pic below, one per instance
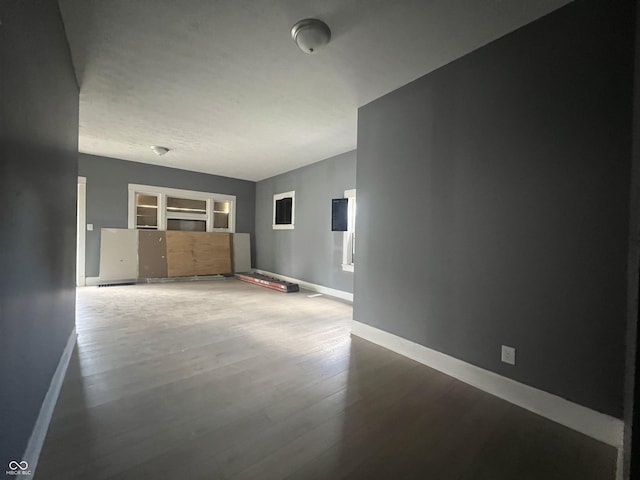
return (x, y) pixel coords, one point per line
(268, 282)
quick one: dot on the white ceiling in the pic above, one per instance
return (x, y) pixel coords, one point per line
(221, 83)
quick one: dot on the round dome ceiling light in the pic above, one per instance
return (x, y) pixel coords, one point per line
(158, 150)
(310, 34)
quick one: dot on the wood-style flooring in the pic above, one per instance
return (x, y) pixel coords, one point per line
(225, 380)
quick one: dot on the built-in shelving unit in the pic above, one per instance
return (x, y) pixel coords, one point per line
(162, 208)
(221, 214)
(146, 211)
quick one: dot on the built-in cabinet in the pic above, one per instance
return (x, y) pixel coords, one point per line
(162, 208)
(146, 211)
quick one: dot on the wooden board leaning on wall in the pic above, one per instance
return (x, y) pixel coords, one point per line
(198, 253)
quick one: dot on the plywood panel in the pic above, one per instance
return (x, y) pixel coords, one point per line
(118, 254)
(152, 254)
(198, 253)
(241, 252)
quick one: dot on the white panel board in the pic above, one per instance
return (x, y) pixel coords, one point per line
(241, 252)
(118, 254)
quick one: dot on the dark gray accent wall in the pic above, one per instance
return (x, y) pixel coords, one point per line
(311, 252)
(631, 464)
(38, 168)
(108, 182)
(493, 201)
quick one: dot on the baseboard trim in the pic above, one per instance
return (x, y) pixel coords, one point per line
(34, 446)
(310, 286)
(92, 281)
(582, 419)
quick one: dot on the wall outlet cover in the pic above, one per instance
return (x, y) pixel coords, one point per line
(90, 227)
(508, 355)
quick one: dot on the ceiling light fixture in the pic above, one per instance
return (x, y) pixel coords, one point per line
(310, 33)
(158, 150)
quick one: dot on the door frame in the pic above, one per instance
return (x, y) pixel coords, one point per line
(81, 231)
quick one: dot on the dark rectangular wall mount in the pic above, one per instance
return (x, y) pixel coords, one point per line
(339, 214)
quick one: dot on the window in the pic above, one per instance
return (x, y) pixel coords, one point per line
(284, 209)
(349, 237)
(160, 208)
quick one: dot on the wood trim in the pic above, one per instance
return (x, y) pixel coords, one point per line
(161, 219)
(81, 232)
(131, 209)
(178, 192)
(347, 260)
(34, 446)
(577, 417)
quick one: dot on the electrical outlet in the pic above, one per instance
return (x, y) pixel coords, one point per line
(90, 227)
(508, 355)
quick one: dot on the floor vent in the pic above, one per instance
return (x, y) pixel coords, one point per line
(115, 284)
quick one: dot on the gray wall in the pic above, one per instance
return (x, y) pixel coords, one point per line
(632, 382)
(493, 205)
(311, 252)
(39, 142)
(108, 182)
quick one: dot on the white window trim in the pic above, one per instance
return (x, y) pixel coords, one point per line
(163, 192)
(279, 196)
(347, 259)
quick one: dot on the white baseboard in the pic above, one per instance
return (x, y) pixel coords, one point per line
(620, 464)
(310, 286)
(34, 446)
(582, 419)
(92, 281)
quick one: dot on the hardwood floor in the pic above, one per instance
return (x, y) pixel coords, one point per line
(225, 380)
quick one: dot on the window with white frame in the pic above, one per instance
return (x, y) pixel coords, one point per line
(284, 210)
(161, 208)
(349, 236)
